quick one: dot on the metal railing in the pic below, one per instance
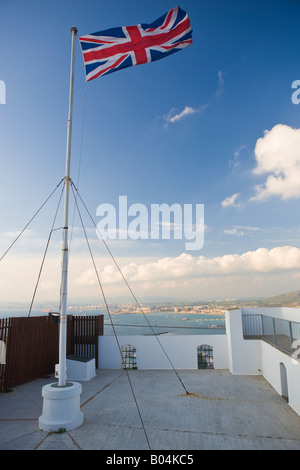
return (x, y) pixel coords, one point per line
(283, 334)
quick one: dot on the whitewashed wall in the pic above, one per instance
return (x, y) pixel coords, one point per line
(181, 350)
(231, 351)
(271, 359)
(244, 356)
(259, 357)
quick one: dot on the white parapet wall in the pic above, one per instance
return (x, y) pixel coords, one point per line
(244, 356)
(255, 356)
(152, 352)
(274, 362)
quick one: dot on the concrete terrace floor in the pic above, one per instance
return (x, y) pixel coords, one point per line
(222, 412)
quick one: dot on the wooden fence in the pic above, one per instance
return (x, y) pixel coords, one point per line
(84, 334)
(29, 347)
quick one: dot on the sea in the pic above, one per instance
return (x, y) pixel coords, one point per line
(158, 323)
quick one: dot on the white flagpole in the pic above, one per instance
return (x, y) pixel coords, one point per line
(61, 401)
(62, 366)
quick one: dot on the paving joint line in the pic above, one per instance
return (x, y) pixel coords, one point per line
(211, 433)
(101, 390)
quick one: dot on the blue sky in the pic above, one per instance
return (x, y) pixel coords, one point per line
(214, 124)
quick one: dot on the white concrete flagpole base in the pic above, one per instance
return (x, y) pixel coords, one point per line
(61, 407)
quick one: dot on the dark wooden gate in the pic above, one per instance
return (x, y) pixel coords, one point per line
(84, 336)
(29, 347)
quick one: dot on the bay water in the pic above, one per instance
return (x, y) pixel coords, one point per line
(158, 323)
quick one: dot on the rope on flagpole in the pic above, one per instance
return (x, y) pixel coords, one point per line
(109, 314)
(22, 231)
(46, 250)
(132, 293)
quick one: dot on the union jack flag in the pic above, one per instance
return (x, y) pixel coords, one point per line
(117, 48)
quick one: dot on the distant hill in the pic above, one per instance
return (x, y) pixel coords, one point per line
(291, 299)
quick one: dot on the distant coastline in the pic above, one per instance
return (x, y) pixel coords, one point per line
(210, 307)
(128, 312)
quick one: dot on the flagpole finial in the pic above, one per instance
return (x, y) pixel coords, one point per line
(74, 29)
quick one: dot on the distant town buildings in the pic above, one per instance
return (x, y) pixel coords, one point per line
(153, 308)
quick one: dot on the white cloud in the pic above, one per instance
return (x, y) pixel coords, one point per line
(175, 116)
(13, 235)
(186, 267)
(234, 231)
(183, 276)
(220, 77)
(232, 201)
(277, 155)
(220, 83)
(235, 162)
(49, 284)
(241, 230)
